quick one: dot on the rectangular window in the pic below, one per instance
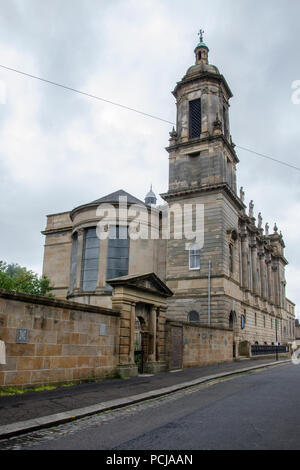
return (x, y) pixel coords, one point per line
(194, 258)
(118, 252)
(90, 260)
(195, 118)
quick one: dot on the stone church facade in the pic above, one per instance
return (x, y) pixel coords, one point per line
(234, 279)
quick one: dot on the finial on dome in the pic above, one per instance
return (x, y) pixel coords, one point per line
(201, 50)
(200, 34)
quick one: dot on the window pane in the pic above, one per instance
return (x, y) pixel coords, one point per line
(90, 260)
(118, 253)
(193, 316)
(194, 259)
(90, 264)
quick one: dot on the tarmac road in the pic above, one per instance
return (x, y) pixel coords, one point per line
(260, 410)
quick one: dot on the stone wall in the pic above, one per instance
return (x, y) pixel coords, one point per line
(64, 341)
(204, 345)
(201, 344)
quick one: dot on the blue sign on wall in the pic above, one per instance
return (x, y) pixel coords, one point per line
(22, 336)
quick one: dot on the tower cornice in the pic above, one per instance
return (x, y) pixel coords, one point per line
(209, 139)
(203, 76)
(192, 192)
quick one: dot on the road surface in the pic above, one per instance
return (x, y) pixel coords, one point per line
(259, 410)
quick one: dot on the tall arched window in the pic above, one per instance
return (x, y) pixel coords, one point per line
(90, 259)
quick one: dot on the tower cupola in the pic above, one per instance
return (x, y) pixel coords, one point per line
(201, 51)
(150, 199)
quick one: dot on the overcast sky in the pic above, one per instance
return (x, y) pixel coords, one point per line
(59, 149)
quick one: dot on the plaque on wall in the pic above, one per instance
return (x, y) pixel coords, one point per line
(22, 336)
(103, 329)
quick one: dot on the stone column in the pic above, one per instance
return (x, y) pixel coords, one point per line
(127, 367)
(80, 240)
(254, 268)
(152, 331)
(102, 265)
(262, 264)
(132, 333)
(245, 280)
(161, 337)
(269, 276)
(276, 295)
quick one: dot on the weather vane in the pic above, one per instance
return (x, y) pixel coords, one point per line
(200, 34)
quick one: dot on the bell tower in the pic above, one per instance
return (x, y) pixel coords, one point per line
(201, 151)
(202, 171)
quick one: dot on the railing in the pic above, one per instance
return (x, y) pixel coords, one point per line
(260, 350)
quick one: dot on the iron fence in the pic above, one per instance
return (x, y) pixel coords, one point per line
(260, 350)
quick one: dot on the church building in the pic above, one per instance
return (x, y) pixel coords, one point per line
(233, 278)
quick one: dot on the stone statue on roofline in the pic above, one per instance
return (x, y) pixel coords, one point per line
(267, 227)
(260, 220)
(251, 209)
(242, 194)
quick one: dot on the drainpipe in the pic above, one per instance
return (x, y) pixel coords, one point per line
(209, 274)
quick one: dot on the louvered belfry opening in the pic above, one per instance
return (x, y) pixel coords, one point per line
(195, 118)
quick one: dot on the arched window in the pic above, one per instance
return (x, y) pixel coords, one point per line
(194, 255)
(232, 319)
(90, 259)
(193, 317)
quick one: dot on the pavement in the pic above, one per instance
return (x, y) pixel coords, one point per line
(20, 414)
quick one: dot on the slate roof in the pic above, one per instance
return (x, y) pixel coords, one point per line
(114, 197)
(110, 198)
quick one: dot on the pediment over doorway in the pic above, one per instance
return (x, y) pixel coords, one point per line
(148, 282)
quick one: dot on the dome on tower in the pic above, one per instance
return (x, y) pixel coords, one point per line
(150, 198)
(202, 67)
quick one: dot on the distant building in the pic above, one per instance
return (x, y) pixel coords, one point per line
(236, 279)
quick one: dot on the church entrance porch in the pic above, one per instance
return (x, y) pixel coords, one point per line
(142, 303)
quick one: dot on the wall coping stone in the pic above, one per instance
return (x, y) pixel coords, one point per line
(59, 303)
(197, 325)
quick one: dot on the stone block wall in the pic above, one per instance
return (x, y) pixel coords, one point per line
(66, 341)
(204, 345)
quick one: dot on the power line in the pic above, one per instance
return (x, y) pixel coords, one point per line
(132, 109)
(84, 93)
(269, 158)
